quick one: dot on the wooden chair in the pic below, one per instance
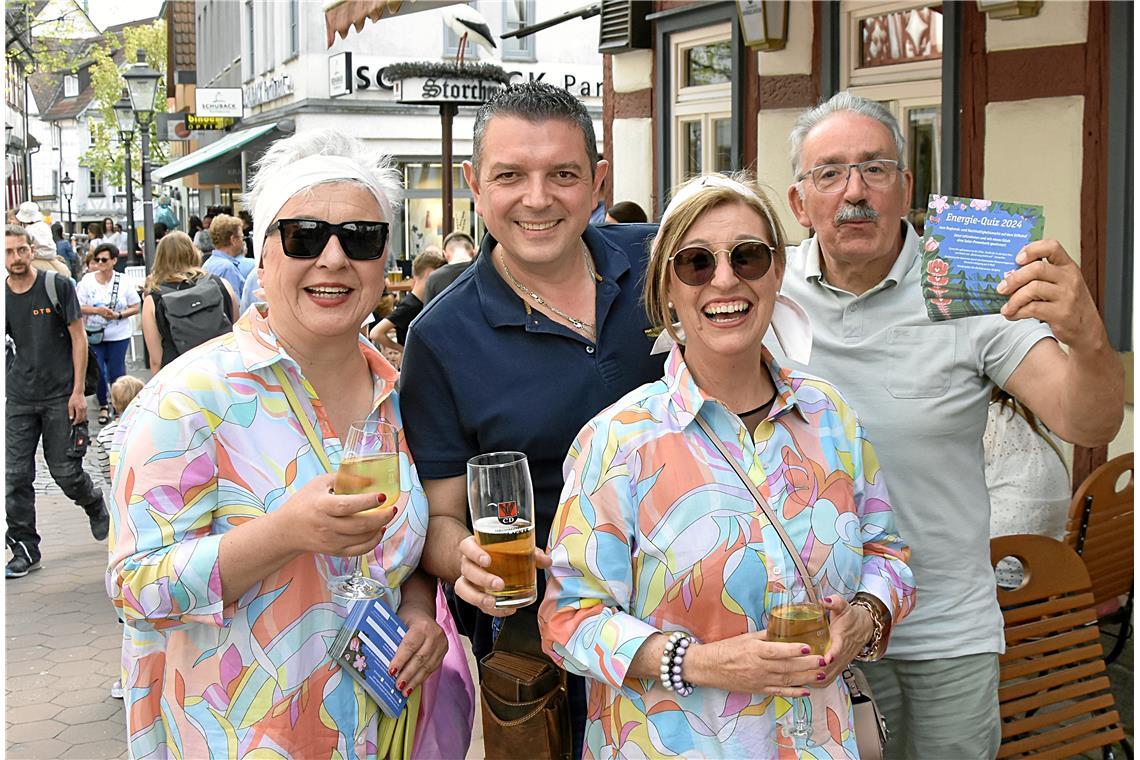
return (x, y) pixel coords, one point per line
(1100, 531)
(1054, 690)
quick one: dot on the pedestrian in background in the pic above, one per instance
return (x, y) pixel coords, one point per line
(176, 267)
(164, 213)
(44, 384)
(65, 251)
(44, 256)
(459, 250)
(626, 212)
(410, 306)
(228, 260)
(108, 301)
(123, 392)
(202, 239)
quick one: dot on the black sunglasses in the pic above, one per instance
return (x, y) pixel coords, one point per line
(695, 264)
(102, 261)
(306, 238)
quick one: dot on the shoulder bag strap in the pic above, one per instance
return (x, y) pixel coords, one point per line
(808, 585)
(115, 279)
(53, 295)
(306, 424)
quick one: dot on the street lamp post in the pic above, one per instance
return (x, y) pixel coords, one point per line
(142, 85)
(67, 184)
(126, 118)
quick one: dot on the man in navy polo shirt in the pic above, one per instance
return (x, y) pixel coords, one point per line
(541, 333)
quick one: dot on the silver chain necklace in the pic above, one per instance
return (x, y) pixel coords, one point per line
(578, 324)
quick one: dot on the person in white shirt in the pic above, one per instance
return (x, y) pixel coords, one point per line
(107, 301)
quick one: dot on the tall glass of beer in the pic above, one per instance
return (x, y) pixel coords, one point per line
(795, 618)
(501, 500)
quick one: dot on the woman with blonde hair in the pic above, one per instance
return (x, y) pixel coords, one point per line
(666, 567)
(177, 266)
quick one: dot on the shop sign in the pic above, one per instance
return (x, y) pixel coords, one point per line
(352, 73)
(456, 90)
(218, 101)
(198, 123)
(265, 90)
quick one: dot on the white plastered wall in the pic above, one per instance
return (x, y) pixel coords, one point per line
(773, 167)
(1058, 23)
(632, 170)
(1034, 154)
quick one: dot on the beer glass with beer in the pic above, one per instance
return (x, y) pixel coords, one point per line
(370, 463)
(501, 499)
(796, 617)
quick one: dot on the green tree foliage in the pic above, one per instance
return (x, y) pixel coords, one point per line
(105, 156)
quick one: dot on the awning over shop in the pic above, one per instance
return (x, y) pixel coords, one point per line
(189, 163)
(342, 15)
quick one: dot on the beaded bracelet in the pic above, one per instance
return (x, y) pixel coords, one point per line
(671, 662)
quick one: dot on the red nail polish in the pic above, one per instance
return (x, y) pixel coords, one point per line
(408, 693)
(392, 670)
(806, 693)
(381, 498)
(401, 685)
(820, 676)
(822, 662)
(806, 650)
(828, 599)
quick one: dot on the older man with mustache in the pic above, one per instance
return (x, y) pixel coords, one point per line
(921, 390)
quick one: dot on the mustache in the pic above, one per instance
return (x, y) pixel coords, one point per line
(851, 212)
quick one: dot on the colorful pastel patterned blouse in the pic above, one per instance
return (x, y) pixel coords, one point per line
(210, 443)
(656, 533)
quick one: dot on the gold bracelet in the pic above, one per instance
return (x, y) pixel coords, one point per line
(870, 650)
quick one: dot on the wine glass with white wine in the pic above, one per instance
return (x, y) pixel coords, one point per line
(797, 618)
(369, 463)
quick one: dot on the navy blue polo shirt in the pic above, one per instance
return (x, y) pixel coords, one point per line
(480, 374)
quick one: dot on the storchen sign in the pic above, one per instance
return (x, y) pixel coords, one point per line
(457, 90)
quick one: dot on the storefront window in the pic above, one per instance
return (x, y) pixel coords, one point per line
(708, 64)
(422, 223)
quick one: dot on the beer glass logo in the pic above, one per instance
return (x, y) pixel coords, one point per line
(508, 511)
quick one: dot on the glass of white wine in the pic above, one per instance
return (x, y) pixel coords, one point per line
(794, 618)
(370, 463)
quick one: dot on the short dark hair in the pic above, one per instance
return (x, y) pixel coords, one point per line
(110, 248)
(535, 102)
(18, 230)
(627, 212)
(459, 236)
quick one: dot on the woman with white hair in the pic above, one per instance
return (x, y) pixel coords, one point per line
(227, 529)
(666, 566)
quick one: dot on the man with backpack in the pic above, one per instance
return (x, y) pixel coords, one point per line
(45, 389)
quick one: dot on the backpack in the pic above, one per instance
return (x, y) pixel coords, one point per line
(91, 379)
(191, 313)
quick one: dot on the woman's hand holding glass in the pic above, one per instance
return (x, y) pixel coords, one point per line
(751, 664)
(317, 520)
(850, 628)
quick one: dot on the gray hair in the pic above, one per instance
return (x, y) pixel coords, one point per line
(535, 102)
(842, 102)
(380, 167)
(17, 230)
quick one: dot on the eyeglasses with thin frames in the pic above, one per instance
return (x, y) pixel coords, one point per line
(833, 178)
(695, 265)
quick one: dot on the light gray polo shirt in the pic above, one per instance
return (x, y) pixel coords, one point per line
(921, 390)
